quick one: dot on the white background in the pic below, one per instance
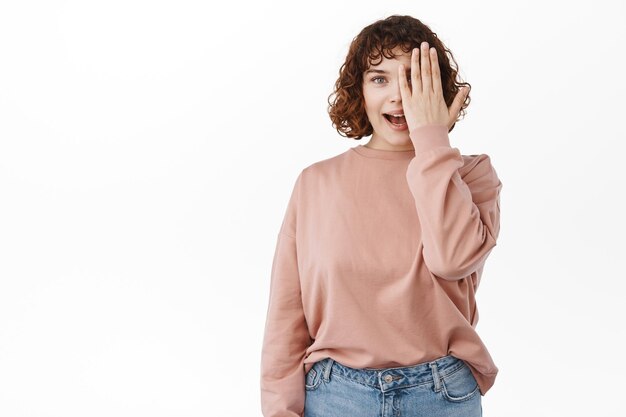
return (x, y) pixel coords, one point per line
(148, 150)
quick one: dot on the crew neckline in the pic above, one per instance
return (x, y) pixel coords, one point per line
(383, 154)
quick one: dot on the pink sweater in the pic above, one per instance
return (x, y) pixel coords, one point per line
(377, 264)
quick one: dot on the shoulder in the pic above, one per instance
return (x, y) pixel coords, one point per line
(324, 167)
(476, 166)
(479, 174)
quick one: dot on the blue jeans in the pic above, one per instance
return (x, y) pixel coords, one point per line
(442, 387)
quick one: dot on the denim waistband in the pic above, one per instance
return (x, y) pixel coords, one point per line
(392, 378)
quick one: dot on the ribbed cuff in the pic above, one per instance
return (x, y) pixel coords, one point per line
(428, 137)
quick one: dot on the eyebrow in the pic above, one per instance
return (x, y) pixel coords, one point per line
(377, 71)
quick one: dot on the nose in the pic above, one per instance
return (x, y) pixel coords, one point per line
(396, 97)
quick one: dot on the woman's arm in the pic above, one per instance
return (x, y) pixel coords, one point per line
(457, 201)
(286, 335)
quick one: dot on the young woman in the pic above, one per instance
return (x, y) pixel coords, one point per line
(372, 308)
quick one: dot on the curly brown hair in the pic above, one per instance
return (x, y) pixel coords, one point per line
(347, 109)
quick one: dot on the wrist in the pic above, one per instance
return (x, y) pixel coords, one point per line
(427, 137)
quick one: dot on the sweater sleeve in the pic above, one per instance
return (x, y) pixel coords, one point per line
(458, 203)
(286, 335)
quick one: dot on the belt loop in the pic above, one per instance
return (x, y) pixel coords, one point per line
(436, 377)
(329, 365)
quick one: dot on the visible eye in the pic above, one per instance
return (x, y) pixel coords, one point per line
(382, 78)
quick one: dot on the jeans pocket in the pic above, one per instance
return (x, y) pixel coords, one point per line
(313, 377)
(460, 385)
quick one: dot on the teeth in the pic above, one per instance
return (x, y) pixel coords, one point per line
(396, 115)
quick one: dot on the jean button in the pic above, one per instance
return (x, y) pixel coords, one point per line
(388, 378)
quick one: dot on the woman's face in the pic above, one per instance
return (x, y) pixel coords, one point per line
(381, 91)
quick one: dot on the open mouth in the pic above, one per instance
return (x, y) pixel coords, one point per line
(397, 121)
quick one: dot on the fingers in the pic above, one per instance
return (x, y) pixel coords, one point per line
(457, 103)
(425, 68)
(405, 92)
(416, 79)
(434, 66)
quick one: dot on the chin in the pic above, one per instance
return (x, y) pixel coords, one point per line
(399, 138)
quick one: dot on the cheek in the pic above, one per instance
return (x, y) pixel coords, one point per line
(372, 113)
(372, 105)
